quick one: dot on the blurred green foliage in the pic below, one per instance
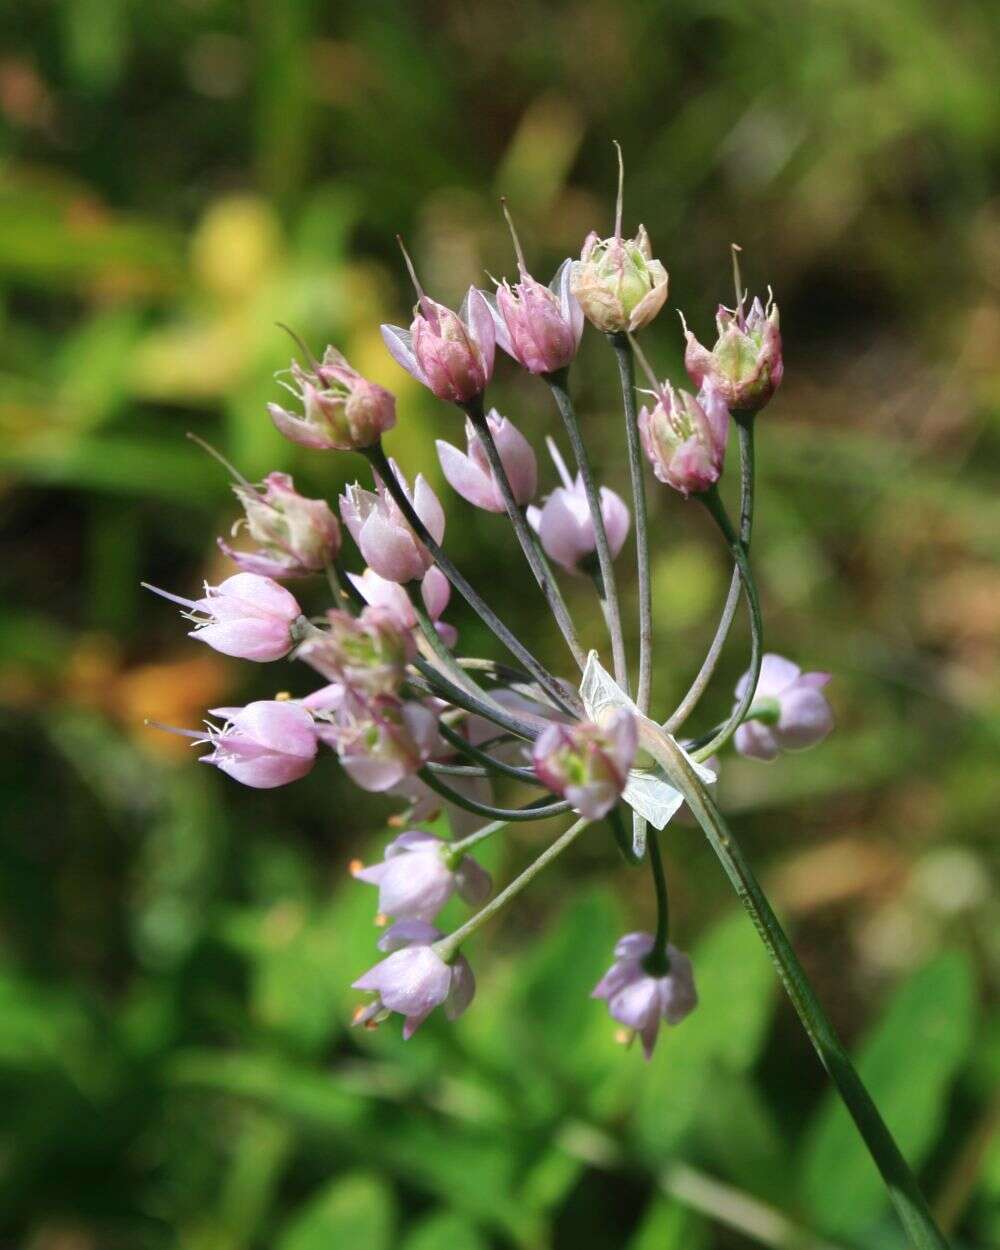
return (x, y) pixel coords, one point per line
(175, 953)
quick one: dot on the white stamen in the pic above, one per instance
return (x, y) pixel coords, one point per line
(558, 461)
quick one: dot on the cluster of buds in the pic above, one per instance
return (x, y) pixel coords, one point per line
(401, 712)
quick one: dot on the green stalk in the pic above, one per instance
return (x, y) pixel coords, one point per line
(657, 962)
(508, 814)
(899, 1180)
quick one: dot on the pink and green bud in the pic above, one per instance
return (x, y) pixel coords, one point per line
(414, 979)
(745, 365)
(367, 654)
(417, 877)
(469, 473)
(435, 590)
(383, 534)
(685, 437)
(341, 410)
(262, 745)
(789, 710)
(639, 1000)
(619, 285)
(588, 764)
(381, 740)
(296, 536)
(246, 616)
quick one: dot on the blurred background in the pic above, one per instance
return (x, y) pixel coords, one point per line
(175, 951)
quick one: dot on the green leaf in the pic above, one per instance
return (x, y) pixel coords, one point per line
(445, 1231)
(355, 1211)
(908, 1062)
(667, 1225)
(736, 989)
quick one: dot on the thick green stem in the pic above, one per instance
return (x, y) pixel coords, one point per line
(714, 504)
(744, 426)
(657, 962)
(525, 536)
(436, 684)
(380, 465)
(448, 947)
(900, 1182)
(473, 752)
(558, 383)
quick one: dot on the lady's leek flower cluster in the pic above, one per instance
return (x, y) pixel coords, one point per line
(397, 703)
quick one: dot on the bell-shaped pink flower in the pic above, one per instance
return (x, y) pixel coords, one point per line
(588, 764)
(435, 590)
(342, 411)
(381, 740)
(450, 353)
(564, 523)
(469, 473)
(383, 534)
(640, 1000)
(684, 437)
(367, 653)
(416, 877)
(746, 364)
(296, 535)
(791, 710)
(263, 745)
(414, 979)
(247, 616)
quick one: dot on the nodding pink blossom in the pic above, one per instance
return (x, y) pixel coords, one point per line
(380, 740)
(746, 363)
(414, 979)
(263, 745)
(246, 616)
(296, 535)
(416, 877)
(791, 712)
(684, 437)
(470, 474)
(450, 353)
(564, 523)
(640, 1000)
(342, 411)
(383, 534)
(367, 653)
(435, 590)
(588, 764)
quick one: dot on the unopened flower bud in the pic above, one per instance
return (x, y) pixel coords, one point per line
(450, 353)
(367, 653)
(470, 474)
(342, 411)
(565, 525)
(263, 745)
(640, 1000)
(415, 879)
(746, 364)
(381, 740)
(414, 979)
(685, 437)
(435, 590)
(383, 534)
(296, 536)
(246, 616)
(588, 764)
(793, 713)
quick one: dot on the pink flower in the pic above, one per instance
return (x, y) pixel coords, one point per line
(264, 744)
(383, 534)
(588, 764)
(790, 711)
(296, 535)
(564, 522)
(540, 326)
(414, 980)
(367, 653)
(684, 438)
(640, 1000)
(416, 877)
(342, 411)
(618, 283)
(247, 616)
(435, 590)
(746, 363)
(380, 740)
(450, 353)
(470, 473)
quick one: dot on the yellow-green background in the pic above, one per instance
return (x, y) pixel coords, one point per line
(175, 952)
